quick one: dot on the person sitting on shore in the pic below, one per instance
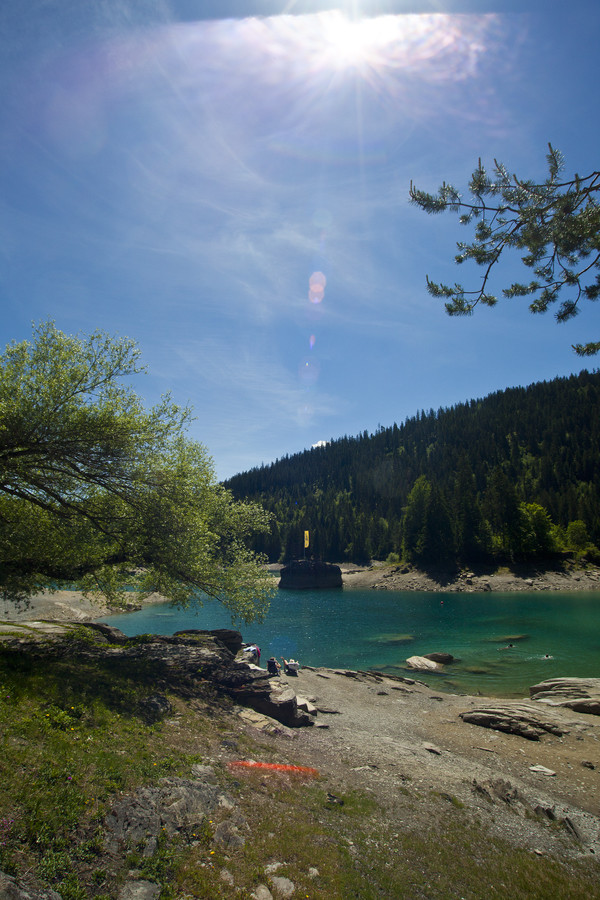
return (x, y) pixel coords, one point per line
(273, 667)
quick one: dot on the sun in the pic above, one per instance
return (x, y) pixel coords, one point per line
(352, 42)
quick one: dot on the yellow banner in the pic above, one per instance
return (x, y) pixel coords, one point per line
(305, 539)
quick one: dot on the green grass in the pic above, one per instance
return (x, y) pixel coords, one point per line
(72, 740)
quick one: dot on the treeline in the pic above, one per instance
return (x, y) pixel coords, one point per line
(515, 475)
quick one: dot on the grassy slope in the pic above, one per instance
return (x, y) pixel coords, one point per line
(71, 742)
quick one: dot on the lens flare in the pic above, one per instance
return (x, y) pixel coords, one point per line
(308, 373)
(316, 287)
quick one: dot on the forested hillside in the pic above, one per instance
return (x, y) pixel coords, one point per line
(514, 475)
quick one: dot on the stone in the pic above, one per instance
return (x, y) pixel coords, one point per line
(512, 719)
(110, 634)
(228, 637)
(274, 699)
(154, 708)
(261, 892)
(422, 664)
(306, 705)
(578, 694)
(207, 773)
(500, 789)
(11, 890)
(443, 658)
(282, 887)
(139, 890)
(174, 805)
(183, 661)
(271, 868)
(227, 835)
(431, 748)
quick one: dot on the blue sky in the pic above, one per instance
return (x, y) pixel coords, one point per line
(227, 183)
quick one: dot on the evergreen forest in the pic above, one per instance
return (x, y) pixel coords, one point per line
(513, 476)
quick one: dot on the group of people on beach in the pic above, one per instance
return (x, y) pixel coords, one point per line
(290, 666)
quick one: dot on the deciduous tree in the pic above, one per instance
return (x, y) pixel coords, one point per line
(98, 491)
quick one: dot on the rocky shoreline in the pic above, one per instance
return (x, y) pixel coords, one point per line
(527, 771)
(551, 576)
(69, 606)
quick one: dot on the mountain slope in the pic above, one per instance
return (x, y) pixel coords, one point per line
(515, 473)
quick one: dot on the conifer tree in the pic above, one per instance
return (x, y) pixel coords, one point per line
(553, 225)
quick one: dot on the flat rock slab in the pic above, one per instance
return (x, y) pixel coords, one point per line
(518, 719)
(580, 694)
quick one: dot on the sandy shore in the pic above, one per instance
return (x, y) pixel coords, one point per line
(61, 606)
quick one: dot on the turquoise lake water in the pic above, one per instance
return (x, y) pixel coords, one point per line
(357, 629)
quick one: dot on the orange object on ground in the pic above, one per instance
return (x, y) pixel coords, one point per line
(273, 767)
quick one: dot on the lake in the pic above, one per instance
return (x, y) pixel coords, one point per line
(552, 634)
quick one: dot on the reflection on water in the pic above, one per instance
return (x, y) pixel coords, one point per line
(502, 643)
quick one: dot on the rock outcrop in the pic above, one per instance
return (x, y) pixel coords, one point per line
(513, 719)
(175, 805)
(10, 889)
(580, 694)
(310, 573)
(184, 663)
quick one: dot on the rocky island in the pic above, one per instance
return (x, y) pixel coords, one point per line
(303, 574)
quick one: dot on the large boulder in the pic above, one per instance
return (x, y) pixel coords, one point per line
(513, 718)
(443, 658)
(274, 699)
(423, 664)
